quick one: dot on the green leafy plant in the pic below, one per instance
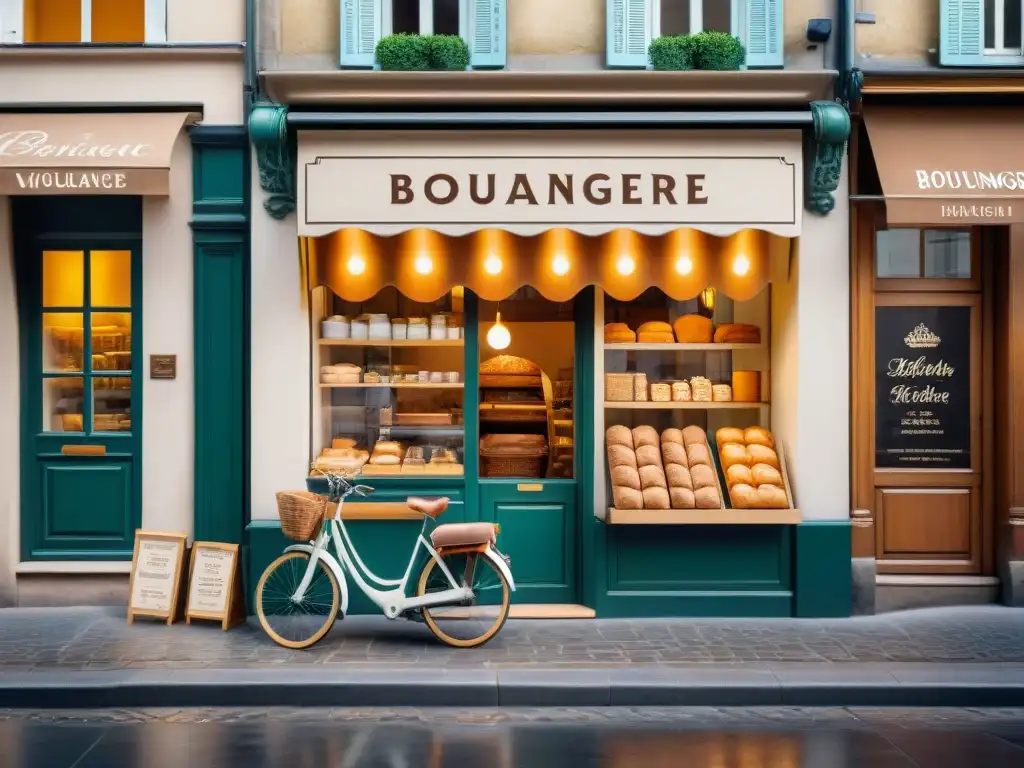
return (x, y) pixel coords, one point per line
(403, 53)
(448, 52)
(671, 53)
(704, 50)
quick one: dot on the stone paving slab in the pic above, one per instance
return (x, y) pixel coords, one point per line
(97, 639)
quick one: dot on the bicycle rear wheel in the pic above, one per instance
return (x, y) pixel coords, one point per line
(470, 623)
(297, 623)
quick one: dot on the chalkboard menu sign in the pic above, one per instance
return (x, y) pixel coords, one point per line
(923, 387)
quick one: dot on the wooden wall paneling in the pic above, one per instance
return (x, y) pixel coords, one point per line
(928, 530)
(991, 248)
(1011, 508)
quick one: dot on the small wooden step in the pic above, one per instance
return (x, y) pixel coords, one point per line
(522, 611)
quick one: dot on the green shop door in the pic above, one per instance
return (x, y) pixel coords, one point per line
(80, 309)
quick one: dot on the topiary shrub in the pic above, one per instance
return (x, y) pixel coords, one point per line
(448, 52)
(717, 51)
(671, 53)
(403, 53)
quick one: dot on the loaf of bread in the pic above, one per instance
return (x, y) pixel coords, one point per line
(621, 456)
(623, 469)
(707, 498)
(729, 435)
(654, 337)
(758, 436)
(672, 435)
(678, 476)
(655, 498)
(737, 333)
(640, 387)
(619, 435)
(746, 386)
(693, 329)
(700, 389)
(626, 477)
(752, 468)
(733, 453)
(697, 453)
(721, 393)
(681, 498)
(661, 392)
(759, 454)
(740, 473)
(703, 477)
(677, 473)
(652, 477)
(343, 442)
(648, 456)
(618, 333)
(654, 326)
(772, 497)
(627, 498)
(681, 391)
(674, 453)
(694, 435)
(744, 496)
(645, 436)
(763, 474)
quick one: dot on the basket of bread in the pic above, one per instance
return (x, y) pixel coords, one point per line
(753, 468)
(671, 470)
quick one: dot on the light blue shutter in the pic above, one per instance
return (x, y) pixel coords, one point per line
(764, 33)
(487, 35)
(360, 31)
(628, 32)
(961, 42)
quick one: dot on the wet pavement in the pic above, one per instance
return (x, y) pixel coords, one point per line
(601, 738)
(91, 639)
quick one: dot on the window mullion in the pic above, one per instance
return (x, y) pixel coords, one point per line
(999, 22)
(86, 21)
(654, 18)
(696, 16)
(426, 17)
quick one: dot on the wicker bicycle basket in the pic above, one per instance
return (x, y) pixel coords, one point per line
(301, 513)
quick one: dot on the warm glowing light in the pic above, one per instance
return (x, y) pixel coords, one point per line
(498, 337)
(684, 265)
(560, 265)
(625, 265)
(493, 265)
(741, 265)
(356, 265)
(423, 265)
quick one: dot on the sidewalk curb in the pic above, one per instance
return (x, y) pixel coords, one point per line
(629, 687)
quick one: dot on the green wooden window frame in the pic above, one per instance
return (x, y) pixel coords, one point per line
(482, 23)
(632, 24)
(962, 37)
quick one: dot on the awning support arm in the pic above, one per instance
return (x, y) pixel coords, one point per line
(825, 150)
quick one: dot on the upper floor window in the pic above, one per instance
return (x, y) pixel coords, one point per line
(83, 21)
(632, 24)
(981, 33)
(481, 23)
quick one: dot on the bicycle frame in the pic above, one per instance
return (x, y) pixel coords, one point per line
(392, 602)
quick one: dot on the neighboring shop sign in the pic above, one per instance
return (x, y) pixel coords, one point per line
(463, 182)
(923, 387)
(156, 579)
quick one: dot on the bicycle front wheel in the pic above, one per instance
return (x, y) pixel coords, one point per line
(473, 622)
(297, 623)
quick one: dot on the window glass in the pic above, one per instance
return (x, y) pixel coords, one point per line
(1012, 24)
(63, 278)
(526, 387)
(62, 342)
(947, 253)
(112, 404)
(118, 21)
(718, 15)
(446, 17)
(110, 274)
(52, 21)
(675, 17)
(63, 404)
(990, 23)
(898, 253)
(405, 16)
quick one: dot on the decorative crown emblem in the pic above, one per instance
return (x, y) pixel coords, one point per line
(921, 338)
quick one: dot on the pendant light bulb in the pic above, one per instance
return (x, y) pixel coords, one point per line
(356, 265)
(498, 337)
(625, 265)
(684, 265)
(741, 265)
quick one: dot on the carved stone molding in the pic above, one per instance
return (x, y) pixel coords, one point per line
(268, 129)
(827, 149)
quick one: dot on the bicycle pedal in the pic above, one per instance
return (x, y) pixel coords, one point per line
(416, 614)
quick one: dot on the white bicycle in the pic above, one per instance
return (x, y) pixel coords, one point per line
(463, 593)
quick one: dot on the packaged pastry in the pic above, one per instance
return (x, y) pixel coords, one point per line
(371, 377)
(737, 333)
(399, 329)
(335, 327)
(618, 333)
(640, 387)
(360, 328)
(681, 392)
(661, 392)
(436, 377)
(721, 393)
(618, 387)
(700, 389)
(693, 329)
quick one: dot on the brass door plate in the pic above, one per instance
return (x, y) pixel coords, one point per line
(163, 366)
(530, 487)
(84, 450)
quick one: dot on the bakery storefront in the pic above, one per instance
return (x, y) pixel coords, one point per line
(589, 338)
(938, 291)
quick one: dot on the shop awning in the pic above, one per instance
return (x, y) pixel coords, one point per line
(949, 166)
(87, 153)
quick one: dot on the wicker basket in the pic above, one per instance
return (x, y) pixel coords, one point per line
(512, 465)
(301, 513)
(618, 387)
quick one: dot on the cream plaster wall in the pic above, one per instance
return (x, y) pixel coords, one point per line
(203, 21)
(280, 355)
(10, 412)
(556, 29)
(216, 84)
(906, 30)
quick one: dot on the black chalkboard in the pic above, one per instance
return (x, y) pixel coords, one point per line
(923, 387)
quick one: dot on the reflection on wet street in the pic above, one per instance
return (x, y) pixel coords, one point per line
(900, 740)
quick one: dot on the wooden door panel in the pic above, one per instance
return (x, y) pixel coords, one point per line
(927, 530)
(86, 505)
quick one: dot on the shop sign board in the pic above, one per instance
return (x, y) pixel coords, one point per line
(156, 580)
(215, 584)
(923, 387)
(463, 182)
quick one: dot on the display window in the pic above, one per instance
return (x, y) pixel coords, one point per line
(388, 384)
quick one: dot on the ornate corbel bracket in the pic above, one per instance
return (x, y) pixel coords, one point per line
(268, 129)
(825, 156)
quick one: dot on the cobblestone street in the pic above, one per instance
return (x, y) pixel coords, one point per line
(99, 638)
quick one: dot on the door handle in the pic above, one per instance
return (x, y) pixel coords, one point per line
(84, 450)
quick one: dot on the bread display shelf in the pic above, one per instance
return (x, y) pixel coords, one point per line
(723, 347)
(703, 516)
(399, 385)
(647, 405)
(391, 343)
